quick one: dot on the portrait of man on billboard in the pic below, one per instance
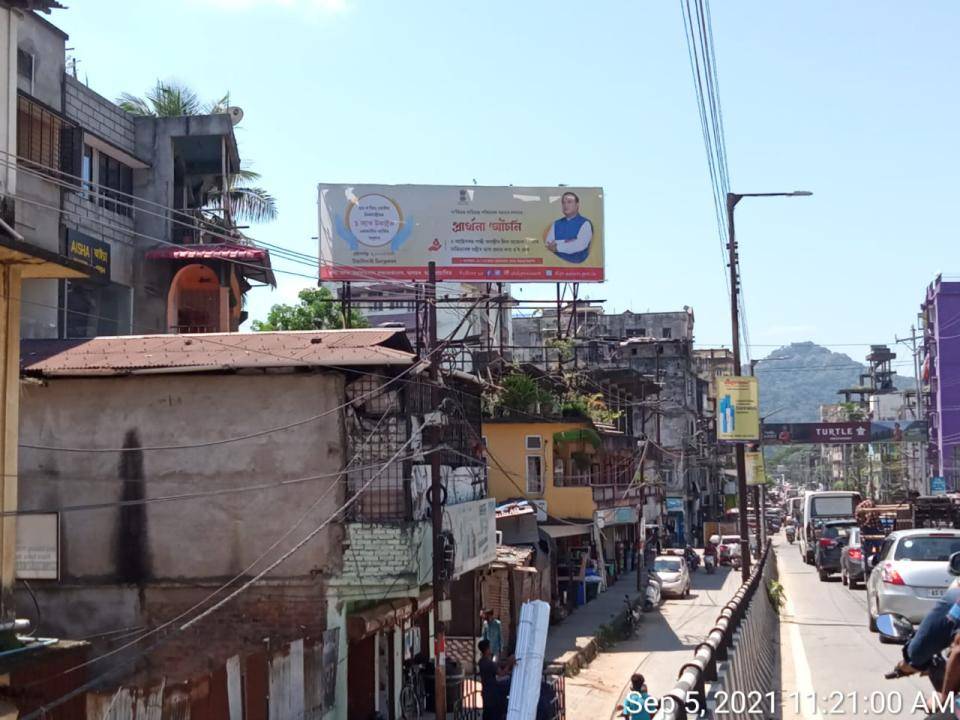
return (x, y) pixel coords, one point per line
(570, 236)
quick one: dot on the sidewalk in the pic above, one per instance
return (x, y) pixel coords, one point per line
(572, 643)
(665, 641)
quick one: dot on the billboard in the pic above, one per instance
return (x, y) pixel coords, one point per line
(738, 409)
(846, 433)
(372, 233)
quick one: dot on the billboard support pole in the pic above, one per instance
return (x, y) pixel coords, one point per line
(504, 323)
(436, 507)
(348, 309)
(732, 200)
(343, 302)
(559, 331)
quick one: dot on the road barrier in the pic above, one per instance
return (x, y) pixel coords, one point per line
(738, 658)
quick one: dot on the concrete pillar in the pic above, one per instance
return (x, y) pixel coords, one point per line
(10, 284)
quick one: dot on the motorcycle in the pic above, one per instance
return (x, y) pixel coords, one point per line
(791, 532)
(896, 629)
(710, 564)
(652, 594)
(632, 617)
(693, 560)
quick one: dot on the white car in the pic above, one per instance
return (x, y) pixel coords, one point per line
(672, 572)
(910, 573)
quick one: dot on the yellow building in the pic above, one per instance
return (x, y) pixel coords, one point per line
(526, 460)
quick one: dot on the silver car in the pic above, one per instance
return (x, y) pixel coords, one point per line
(672, 572)
(910, 573)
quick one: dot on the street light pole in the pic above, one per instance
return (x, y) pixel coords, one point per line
(732, 200)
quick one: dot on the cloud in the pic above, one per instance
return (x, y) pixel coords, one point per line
(330, 7)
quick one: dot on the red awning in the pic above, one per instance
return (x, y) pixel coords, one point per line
(218, 251)
(252, 262)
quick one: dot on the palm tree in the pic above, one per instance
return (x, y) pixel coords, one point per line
(247, 202)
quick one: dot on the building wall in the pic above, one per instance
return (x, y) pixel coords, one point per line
(98, 115)
(944, 300)
(506, 443)
(383, 555)
(127, 566)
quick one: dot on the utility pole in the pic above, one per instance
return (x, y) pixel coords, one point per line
(732, 200)
(757, 495)
(436, 506)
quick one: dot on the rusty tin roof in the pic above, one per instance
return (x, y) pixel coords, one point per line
(209, 352)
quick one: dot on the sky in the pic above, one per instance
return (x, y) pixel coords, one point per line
(853, 101)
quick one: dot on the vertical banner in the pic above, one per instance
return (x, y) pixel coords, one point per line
(738, 409)
(756, 472)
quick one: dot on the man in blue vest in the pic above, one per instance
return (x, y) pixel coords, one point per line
(570, 236)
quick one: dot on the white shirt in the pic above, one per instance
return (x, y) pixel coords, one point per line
(573, 245)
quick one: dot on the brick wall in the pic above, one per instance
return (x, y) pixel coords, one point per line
(98, 115)
(378, 553)
(278, 612)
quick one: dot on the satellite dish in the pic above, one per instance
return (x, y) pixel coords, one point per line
(235, 113)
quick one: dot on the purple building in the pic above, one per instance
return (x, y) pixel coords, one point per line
(941, 376)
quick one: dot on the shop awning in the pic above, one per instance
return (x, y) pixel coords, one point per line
(384, 616)
(34, 261)
(252, 261)
(561, 531)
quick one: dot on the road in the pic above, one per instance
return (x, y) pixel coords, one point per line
(665, 641)
(828, 651)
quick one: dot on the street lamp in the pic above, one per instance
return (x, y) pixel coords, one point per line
(732, 200)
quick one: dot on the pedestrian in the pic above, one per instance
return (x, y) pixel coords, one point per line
(638, 705)
(494, 682)
(492, 631)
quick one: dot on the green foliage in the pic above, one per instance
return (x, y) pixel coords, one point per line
(315, 311)
(521, 393)
(248, 202)
(776, 595)
(587, 435)
(589, 405)
(564, 347)
(581, 460)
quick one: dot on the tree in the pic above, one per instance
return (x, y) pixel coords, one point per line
(248, 202)
(316, 311)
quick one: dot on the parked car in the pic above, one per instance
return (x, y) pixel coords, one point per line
(673, 575)
(852, 562)
(827, 555)
(910, 573)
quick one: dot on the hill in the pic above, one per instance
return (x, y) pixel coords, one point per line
(802, 376)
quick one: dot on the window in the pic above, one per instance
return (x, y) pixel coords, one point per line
(534, 442)
(116, 185)
(534, 474)
(25, 69)
(86, 173)
(376, 306)
(667, 333)
(94, 309)
(38, 135)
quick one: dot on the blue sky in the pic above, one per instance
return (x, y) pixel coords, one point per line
(853, 101)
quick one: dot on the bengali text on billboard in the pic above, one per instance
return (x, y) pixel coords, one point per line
(738, 409)
(373, 233)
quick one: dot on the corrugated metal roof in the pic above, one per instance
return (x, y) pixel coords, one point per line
(215, 351)
(216, 251)
(514, 555)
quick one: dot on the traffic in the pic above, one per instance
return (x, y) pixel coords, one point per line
(889, 577)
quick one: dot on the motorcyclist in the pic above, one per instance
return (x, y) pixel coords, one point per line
(937, 630)
(690, 555)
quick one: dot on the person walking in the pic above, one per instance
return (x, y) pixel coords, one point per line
(492, 631)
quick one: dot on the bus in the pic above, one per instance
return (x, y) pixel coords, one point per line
(817, 508)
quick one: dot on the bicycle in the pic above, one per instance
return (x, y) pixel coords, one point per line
(412, 696)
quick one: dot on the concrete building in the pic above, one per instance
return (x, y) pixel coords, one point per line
(940, 368)
(128, 197)
(263, 445)
(659, 346)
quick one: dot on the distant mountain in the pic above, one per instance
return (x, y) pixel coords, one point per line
(801, 377)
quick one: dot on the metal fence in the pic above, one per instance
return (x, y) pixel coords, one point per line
(731, 674)
(469, 704)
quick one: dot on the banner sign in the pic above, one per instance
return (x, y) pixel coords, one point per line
(938, 486)
(756, 471)
(738, 409)
(474, 528)
(378, 233)
(845, 433)
(93, 253)
(38, 546)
